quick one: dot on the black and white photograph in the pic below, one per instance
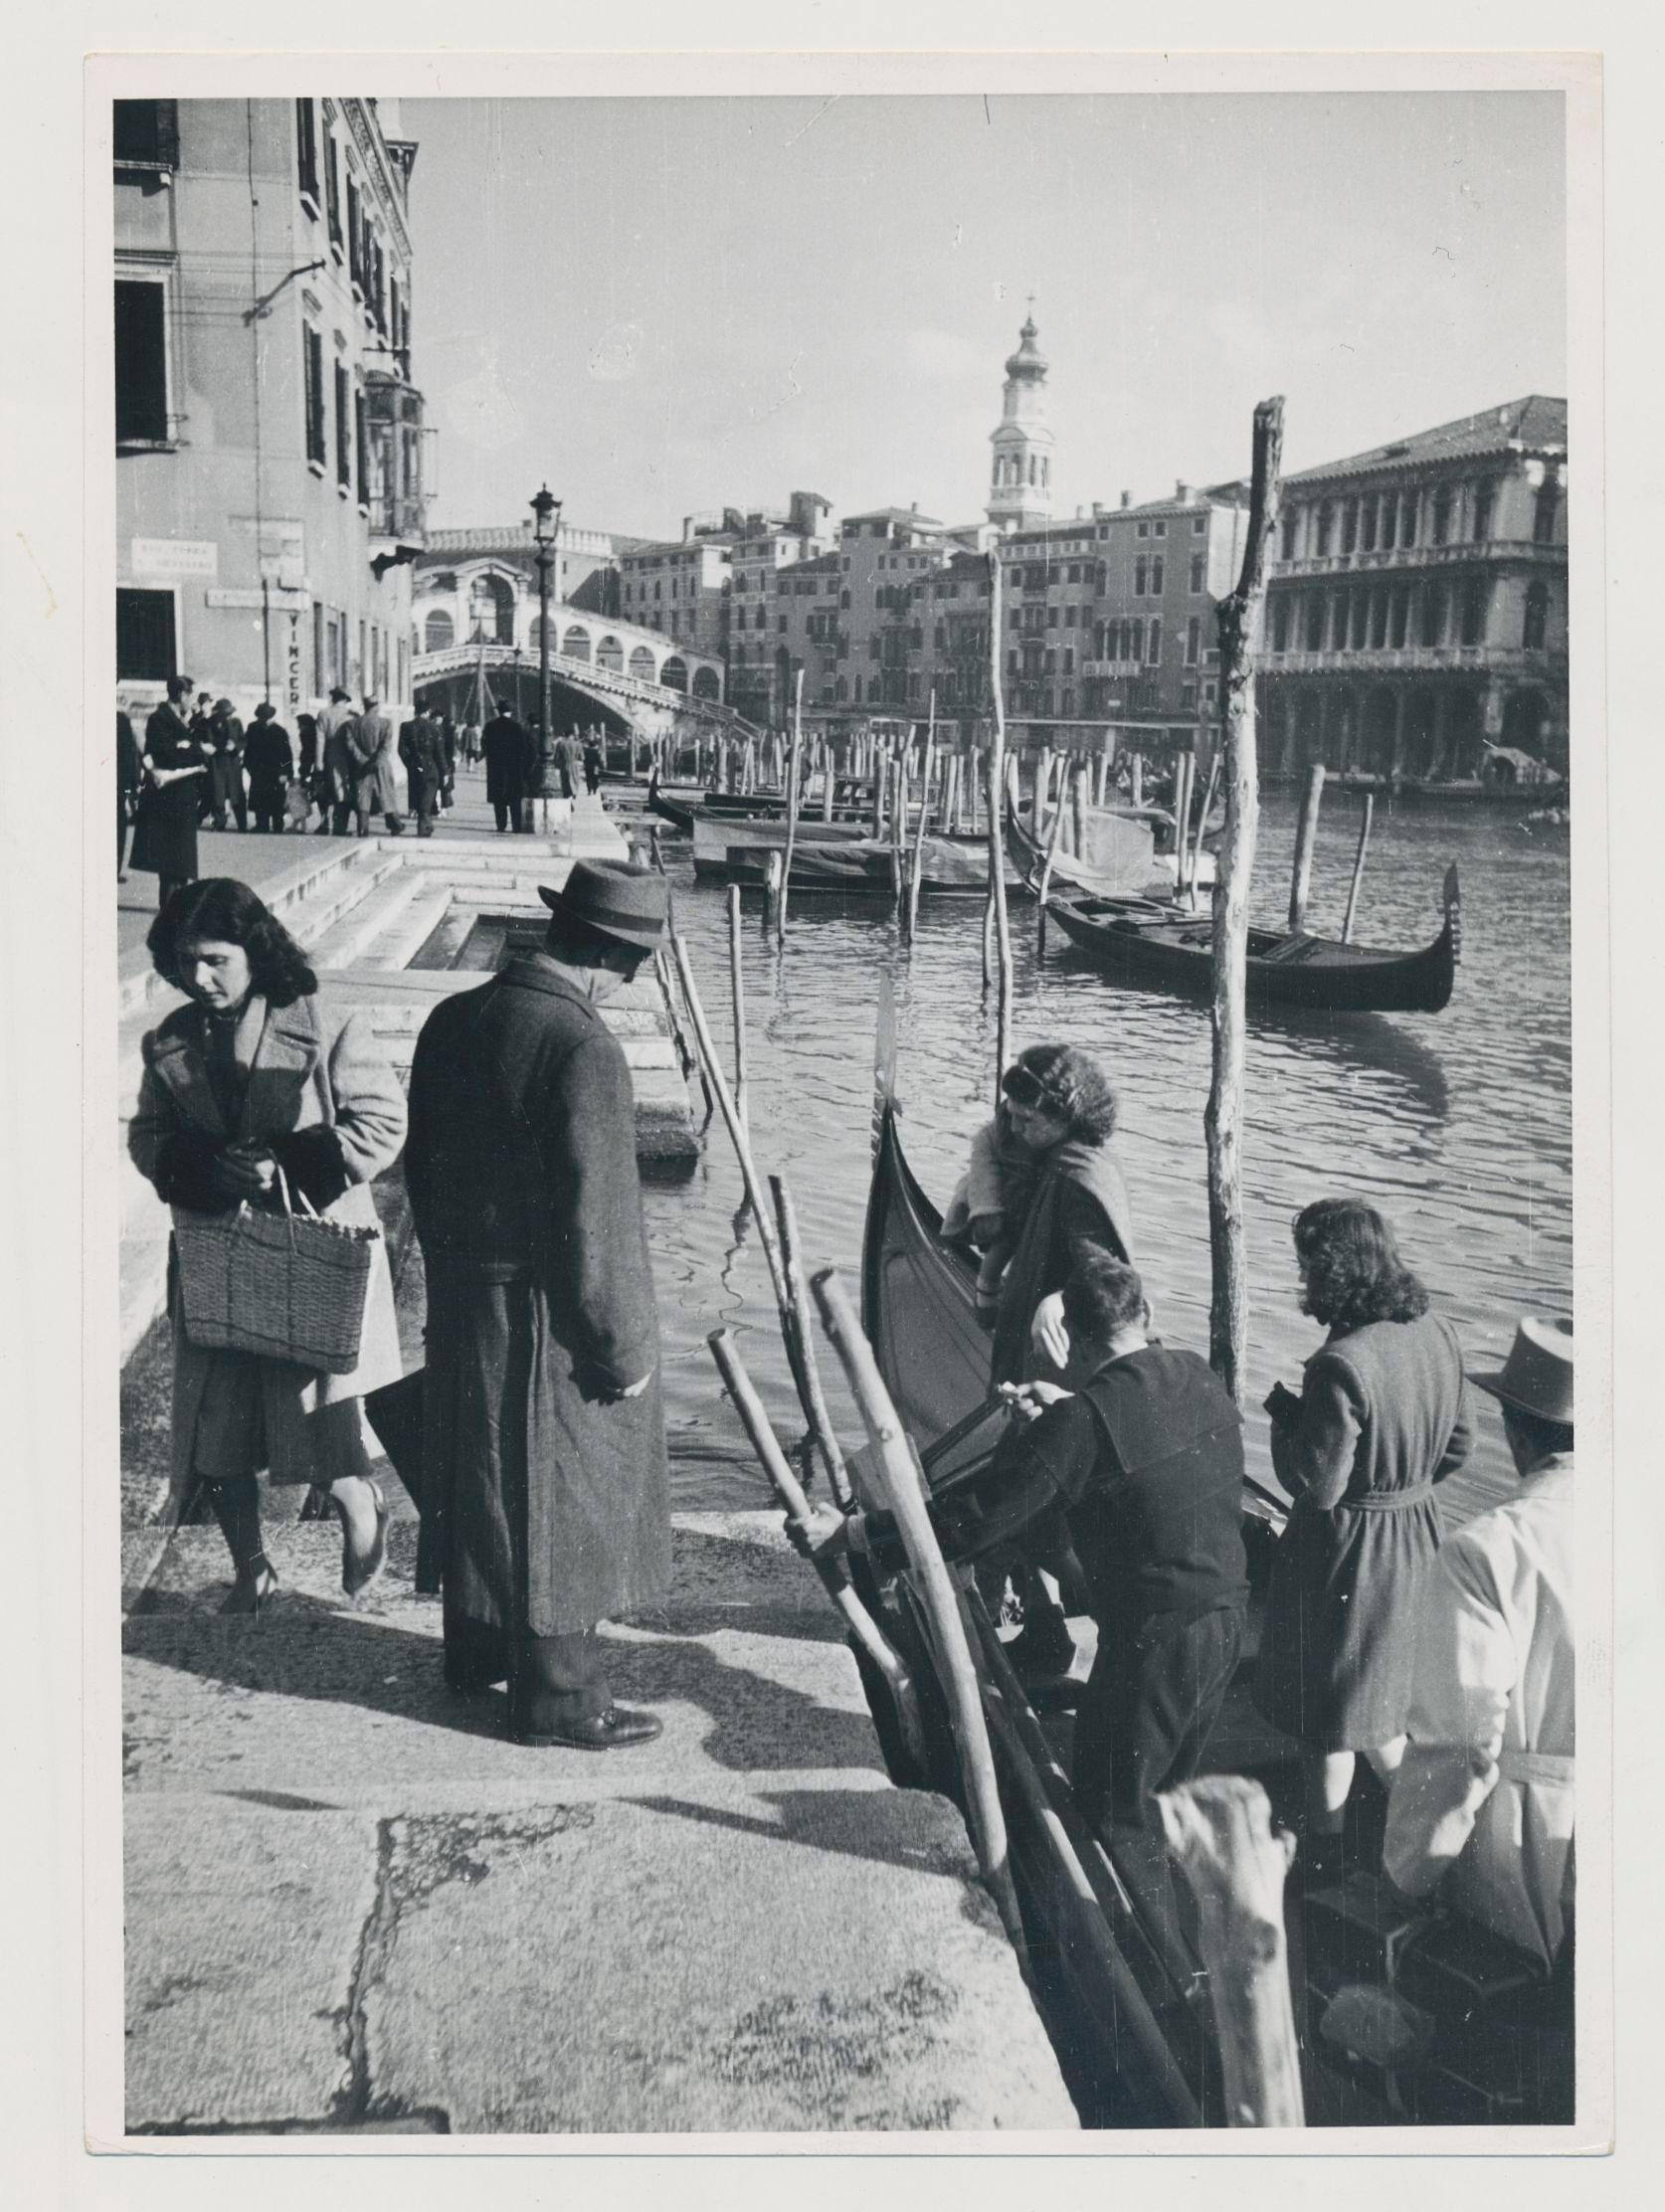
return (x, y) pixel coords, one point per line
(840, 1212)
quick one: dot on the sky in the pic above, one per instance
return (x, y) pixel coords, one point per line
(667, 305)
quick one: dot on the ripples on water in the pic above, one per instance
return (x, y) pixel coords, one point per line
(1458, 1126)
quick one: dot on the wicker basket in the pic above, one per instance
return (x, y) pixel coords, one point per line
(288, 1286)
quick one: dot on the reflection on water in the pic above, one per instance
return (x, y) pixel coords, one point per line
(1458, 1125)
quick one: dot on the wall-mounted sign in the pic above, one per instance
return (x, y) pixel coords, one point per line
(175, 557)
(279, 600)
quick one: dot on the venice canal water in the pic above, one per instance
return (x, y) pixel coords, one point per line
(1458, 1125)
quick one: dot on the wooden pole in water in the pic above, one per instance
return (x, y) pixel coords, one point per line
(1136, 790)
(1045, 885)
(1306, 837)
(996, 832)
(917, 868)
(737, 999)
(905, 1490)
(1238, 617)
(800, 1345)
(1358, 867)
(1203, 820)
(1219, 1829)
(795, 774)
(738, 1136)
(1078, 807)
(829, 766)
(834, 1574)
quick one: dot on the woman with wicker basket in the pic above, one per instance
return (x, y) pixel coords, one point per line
(260, 1094)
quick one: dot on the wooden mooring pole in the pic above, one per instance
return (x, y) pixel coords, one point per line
(794, 795)
(1358, 867)
(1219, 1829)
(996, 832)
(737, 999)
(1238, 617)
(1306, 837)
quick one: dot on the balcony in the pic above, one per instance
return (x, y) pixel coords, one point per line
(1490, 660)
(397, 504)
(1401, 557)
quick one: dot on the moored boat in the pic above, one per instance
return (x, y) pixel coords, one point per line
(1140, 943)
(1123, 856)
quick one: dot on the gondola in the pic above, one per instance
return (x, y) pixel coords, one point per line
(841, 856)
(1124, 857)
(1138, 943)
(1110, 1929)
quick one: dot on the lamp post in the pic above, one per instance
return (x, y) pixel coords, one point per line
(546, 514)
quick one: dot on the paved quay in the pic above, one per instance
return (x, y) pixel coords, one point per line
(353, 1905)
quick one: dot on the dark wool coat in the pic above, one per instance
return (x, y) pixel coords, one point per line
(269, 760)
(508, 747)
(1384, 1414)
(323, 1098)
(1079, 1198)
(165, 825)
(422, 749)
(547, 1498)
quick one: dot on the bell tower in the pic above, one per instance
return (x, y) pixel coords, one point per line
(1021, 478)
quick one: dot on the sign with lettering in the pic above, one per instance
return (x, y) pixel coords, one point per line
(175, 557)
(291, 666)
(279, 600)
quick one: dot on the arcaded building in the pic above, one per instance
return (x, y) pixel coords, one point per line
(1417, 614)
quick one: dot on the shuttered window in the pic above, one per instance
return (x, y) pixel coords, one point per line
(147, 132)
(307, 148)
(343, 427)
(317, 449)
(141, 370)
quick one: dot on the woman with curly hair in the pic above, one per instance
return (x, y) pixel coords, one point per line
(1384, 1416)
(259, 1072)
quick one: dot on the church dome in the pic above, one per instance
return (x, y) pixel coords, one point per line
(1028, 360)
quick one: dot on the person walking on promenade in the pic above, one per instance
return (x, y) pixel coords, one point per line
(543, 782)
(1482, 1804)
(306, 740)
(1143, 1453)
(270, 759)
(504, 743)
(545, 1474)
(334, 725)
(129, 782)
(421, 750)
(262, 1072)
(447, 748)
(375, 774)
(564, 762)
(226, 737)
(592, 763)
(1383, 1417)
(176, 772)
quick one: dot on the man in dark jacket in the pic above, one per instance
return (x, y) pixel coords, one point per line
(422, 750)
(271, 761)
(545, 1486)
(508, 749)
(225, 735)
(1145, 1457)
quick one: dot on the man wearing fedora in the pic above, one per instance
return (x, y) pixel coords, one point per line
(546, 1490)
(1483, 1802)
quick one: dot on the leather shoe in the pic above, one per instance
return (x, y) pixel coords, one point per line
(606, 1732)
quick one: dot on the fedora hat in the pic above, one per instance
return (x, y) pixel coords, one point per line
(1537, 1376)
(629, 904)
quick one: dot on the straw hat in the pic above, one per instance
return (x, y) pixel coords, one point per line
(1537, 1376)
(630, 904)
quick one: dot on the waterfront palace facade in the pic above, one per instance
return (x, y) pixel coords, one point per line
(1415, 621)
(269, 435)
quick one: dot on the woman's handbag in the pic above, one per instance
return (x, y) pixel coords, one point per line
(288, 1286)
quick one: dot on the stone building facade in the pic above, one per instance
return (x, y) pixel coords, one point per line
(1416, 611)
(271, 471)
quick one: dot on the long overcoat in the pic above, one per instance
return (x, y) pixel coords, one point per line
(1080, 1198)
(375, 765)
(1385, 1415)
(546, 1496)
(1485, 1793)
(165, 823)
(337, 726)
(507, 746)
(321, 1096)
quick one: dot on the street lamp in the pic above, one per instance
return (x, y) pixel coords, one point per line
(546, 521)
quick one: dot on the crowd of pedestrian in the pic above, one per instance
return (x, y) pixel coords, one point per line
(198, 766)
